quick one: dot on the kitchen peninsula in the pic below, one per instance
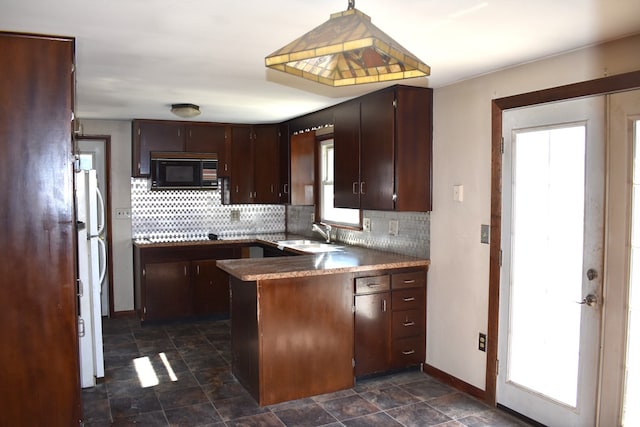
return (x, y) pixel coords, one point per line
(299, 325)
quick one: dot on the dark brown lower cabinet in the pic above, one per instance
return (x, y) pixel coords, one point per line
(390, 321)
(211, 285)
(182, 281)
(292, 337)
(168, 290)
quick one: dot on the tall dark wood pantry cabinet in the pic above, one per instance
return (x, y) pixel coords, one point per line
(39, 367)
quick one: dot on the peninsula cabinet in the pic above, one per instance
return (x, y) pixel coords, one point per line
(39, 362)
(389, 325)
(180, 282)
(292, 337)
(389, 132)
(166, 135)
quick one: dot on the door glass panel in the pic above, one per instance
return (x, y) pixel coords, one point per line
(631, 414)
(547, 260)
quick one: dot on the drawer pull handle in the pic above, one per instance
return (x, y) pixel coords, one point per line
(406, 324)
(407, 299)
(408, 352)
(408, 282)
(373, 285)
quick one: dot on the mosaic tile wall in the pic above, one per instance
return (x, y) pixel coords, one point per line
(193, 214)
(413, 230)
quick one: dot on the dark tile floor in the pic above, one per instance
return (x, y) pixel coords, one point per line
(179, 375)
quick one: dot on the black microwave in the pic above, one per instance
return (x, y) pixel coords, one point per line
(183, 171)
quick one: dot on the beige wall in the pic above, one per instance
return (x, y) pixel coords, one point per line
(120, 132)
(459, 273)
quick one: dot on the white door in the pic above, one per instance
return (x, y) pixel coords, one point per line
(551, 278)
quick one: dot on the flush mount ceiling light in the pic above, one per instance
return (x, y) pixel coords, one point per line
(347, 50)
(185, 110)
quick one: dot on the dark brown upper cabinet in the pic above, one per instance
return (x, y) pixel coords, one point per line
(383, 150)
(266, 148)
(241, 183)
(164, 135)
(209, 138)
(154, 135)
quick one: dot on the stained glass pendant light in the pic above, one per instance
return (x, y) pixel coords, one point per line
(347, 50)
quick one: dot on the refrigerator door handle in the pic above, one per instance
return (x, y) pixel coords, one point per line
(103, 257)
(101, 212)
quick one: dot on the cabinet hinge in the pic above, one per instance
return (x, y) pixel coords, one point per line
(73, 68)
(497, 367)
(353, 363)
(353, 308)
(502, 146)
(395, 103)
(500, 258)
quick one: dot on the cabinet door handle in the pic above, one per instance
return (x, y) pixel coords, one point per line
(407, 299)
(408, 282)
(237, 189)
(384, 305)
(185, 270)
(407, 324)
(373, 285)
(363, 187)
(286, 189)
(198, 269)
(355, 187)
(271, 188)
(408, 352)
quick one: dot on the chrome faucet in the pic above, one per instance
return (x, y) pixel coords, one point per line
(326, 233)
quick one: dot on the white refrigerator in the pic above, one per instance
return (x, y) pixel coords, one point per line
(90, 216)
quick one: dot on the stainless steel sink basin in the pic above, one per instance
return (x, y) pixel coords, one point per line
(309, 246)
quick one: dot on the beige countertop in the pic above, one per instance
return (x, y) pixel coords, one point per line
(350, 259)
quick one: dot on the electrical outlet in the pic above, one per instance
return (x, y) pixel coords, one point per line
(123, 213)
(235, 215)
(482, 342)
(393, 227)
(366, 225)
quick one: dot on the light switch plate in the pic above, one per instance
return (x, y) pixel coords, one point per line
(235, 215)
(484, 234)
(366, 225)
(393, 227)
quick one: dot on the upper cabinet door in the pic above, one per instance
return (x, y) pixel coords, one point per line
(150, 135)
(346, 146)
(285, 164)
(266, 147)
(377, 135)
(208, 138)
(413, 148)
(241, 188)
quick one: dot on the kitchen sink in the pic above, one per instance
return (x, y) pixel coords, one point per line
(308, 246)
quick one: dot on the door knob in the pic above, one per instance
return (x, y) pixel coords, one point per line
(589, 300)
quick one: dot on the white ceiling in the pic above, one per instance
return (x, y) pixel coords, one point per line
(136, 57)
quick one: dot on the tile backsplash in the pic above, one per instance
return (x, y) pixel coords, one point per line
(413, 236)
(170, 215)
(193, 214)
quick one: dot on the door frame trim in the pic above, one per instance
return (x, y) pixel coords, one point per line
(600, 86)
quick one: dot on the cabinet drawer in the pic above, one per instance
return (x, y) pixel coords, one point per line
(407, 323)
(367, 285)
(408, 299)
(408, 351)
(413, 279)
